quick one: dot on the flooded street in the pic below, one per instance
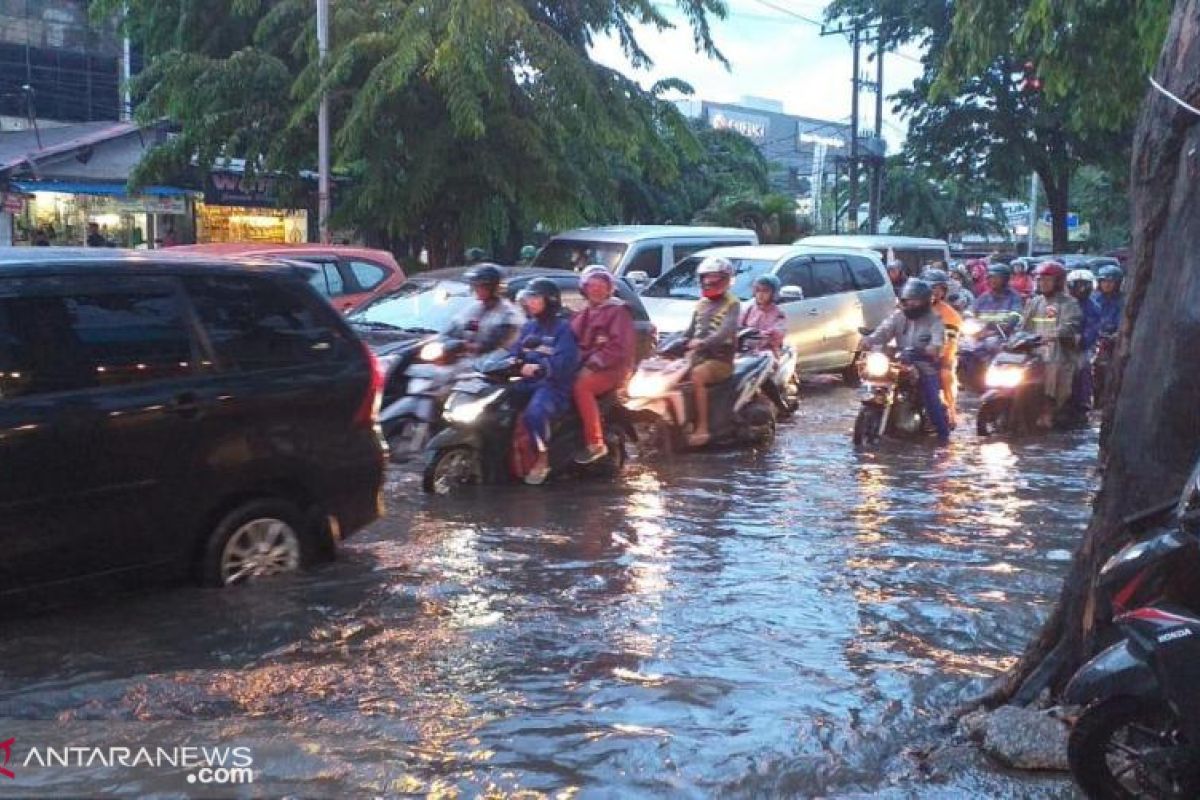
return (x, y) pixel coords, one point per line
(786, 622)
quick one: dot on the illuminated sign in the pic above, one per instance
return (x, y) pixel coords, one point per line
(749, 125)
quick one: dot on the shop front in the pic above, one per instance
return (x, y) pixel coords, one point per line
(62, 213)
(238, 208)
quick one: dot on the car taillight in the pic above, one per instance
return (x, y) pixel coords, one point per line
(369, 410)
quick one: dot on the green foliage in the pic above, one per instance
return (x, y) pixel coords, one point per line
(772, 216)
(1102, 199)
(921, 204)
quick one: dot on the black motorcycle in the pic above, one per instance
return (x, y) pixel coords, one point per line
(481, 415)
(1014, 388)
(890, 396)
(1139, 735)
(422, 377)
(978, 344)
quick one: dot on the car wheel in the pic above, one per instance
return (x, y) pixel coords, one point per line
(259, 539)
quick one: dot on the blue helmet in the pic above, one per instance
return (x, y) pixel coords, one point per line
(1111, 272)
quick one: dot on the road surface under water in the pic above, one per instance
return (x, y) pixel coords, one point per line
(792, 621)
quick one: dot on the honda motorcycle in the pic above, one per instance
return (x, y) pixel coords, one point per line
(978, 344)
(1014, 384)
(890, 397)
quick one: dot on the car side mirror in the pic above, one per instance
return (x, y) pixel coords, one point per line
(638, 278)
(789, 294)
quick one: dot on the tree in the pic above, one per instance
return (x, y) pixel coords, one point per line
(1151, 435)
(453, 119)
(919, 204)
(1102, 199)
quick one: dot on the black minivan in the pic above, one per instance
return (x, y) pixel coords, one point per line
(178, 414)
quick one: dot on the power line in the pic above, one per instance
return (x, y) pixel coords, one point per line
(790, 13)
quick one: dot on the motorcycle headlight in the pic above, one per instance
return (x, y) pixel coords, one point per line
(972, 327)
(647, 385)
(433, 351)
(468, 412)
(877, 365)
(1004, 377)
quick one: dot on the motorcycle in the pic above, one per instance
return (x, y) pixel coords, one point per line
(739, 410)
(1101, 366)
(783, 387)
(890, 396)
(1139, 734)
(480, 416)
(412, 409)
(978, 344)
(1014, 388)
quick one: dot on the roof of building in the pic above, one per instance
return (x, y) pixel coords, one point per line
(31, 146)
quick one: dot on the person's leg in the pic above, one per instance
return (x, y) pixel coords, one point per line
(588, 386)
(949, 382)
(931, 395)
(701, 377)
(537, 417)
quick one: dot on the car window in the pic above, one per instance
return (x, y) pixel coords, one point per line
(866, 274)
(681, 250)
(913, 265)
(931, 254)
(327, 279)
(830, 276)
(576, 254)
(59, 341)
(681, 282)
(426, 306)
(258, 323)
(647, 260)
(797, 272)
(367, 275)
(628, 296)
(572, 299)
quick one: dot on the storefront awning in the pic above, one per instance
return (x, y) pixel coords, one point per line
(102, 189)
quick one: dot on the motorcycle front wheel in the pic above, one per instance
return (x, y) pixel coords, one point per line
(866, 426)
(451, 469)
(991, 420)
(1124, 748)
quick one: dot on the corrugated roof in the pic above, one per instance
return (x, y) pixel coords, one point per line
(19, 147)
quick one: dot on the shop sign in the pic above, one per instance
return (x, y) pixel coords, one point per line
(13, 203)
(231, 189)
(165, 205)
(751, 126)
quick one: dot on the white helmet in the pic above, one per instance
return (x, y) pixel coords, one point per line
(712, 265)
(1084, 275)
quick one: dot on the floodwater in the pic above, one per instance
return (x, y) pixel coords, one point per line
(789, 622)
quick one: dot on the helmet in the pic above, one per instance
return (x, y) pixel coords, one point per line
(547, 290)
(597, 271)
(1081, 276)
(1111, 272)
(715, 264)
(475, 255)
(915, 298)
(936, 277)
(1020, 267)
(1051, 268)
(1001, 270)
(528, 252)
(769, 281)
(485, 275)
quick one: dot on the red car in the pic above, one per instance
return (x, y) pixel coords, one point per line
(348, 276)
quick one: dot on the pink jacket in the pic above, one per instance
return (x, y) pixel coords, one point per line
(607, 340)
(770, 320)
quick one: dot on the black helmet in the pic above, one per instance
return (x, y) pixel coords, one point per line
(475, 255)
(916, 298)
(546, 289)
(485, 275)
(1001, 270)
(936, 277)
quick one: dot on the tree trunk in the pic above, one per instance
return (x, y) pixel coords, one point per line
(1152, 432)
(1058, 200)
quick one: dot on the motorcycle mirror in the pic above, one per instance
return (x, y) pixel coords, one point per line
(790, 293)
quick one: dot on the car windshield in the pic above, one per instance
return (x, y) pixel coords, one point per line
(418, 305)
(576, 254)
(681, 282)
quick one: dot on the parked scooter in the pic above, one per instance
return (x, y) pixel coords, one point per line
(1139, 735)
(481, 415)
(1014, 388)
(411, 415)
(890, 396)
(978, 343)
(739, 410)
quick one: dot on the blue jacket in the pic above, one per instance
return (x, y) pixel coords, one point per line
(1110, 307)
(1091, 322)
(1003, 309)
(557, 353)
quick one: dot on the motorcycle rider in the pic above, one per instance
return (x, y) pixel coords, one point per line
(939, 283)
(895, 271)
(1080, 284)
(1055, 316)
(961, 297)
(607, 345)
(1109, 300)
(491, 323)
(1021, 283)
(528, 254)
(920, 334)
(550, 356)
(712, 337)
(999, 305)
(979, 281)
(765, 315)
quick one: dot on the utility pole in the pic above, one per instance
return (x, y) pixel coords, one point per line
(323, 124)
(1033, 193)
(877, 177)
(852, 214)
(126, 67)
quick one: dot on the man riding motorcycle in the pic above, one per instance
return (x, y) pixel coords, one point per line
(1109, 299)
(961, 295)
(999, 305)
(491, 323)
(1080, 285)
(547, 347)
(1021, 283)
(939, 283)
(920, 334)
(607, 345)
(1055, 316)
(712, 337)
(765, 316)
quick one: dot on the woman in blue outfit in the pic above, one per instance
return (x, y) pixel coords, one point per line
(550, 354)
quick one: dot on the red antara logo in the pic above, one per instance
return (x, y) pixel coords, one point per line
(6, 748)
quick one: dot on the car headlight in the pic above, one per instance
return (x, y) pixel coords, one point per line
(647, 385)
(877, 365)
(1004, 377)
(432, 351)
(972, 327)
(466, 413)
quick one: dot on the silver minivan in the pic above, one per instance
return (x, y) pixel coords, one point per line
(915, 253)
(639, 253)
(827, 293)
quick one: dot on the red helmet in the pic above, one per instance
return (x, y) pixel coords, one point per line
(1051, 268)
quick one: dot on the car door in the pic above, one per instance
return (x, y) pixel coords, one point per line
(806, 317)
(842, 311)
(97, 406)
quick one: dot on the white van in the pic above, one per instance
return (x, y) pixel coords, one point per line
(916, 254)
(639, 253)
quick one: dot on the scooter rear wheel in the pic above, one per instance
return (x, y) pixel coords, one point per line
(448, 470)
(1122, 748)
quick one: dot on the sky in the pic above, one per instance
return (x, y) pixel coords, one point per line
(774, 54)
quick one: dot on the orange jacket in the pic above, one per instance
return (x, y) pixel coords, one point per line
(953, 321)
